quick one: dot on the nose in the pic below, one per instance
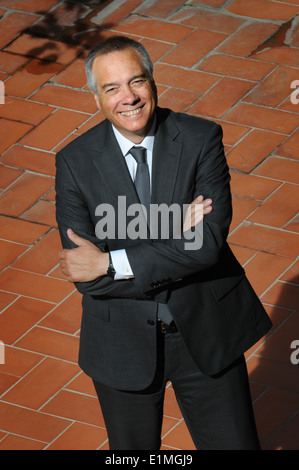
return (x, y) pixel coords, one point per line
(129, 96)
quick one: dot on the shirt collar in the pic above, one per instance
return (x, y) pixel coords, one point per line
(125, 144)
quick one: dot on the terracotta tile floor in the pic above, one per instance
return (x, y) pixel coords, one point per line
(231, 61)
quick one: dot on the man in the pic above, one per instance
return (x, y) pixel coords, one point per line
(156, 310)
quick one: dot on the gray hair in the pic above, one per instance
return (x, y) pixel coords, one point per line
(112, 44)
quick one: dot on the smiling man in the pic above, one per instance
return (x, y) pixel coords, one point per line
(154, 311)
(125, 93)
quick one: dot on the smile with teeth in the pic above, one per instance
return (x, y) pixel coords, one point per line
(131, 113)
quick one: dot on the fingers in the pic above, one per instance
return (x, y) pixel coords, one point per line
(200, 200)
(198, 208)
(72, 235)
(84, 263)
(79, 241)
(206, 204)
(63, 264)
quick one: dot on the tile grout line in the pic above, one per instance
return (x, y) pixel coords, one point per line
(232, 108)
(103, 443)
(10, 304)
(280, 427)
(21, 378)
(36, 325)
(278, 279)
(181, 420)
(66, 429)
(272, 333)
(20, 256)
(28, 296)
(54, 106)
(293, 219)
(247, 222)
(55, 84)
(9, 433)
(40, 409)
(262, 393)
(40, 354)
(225, 13)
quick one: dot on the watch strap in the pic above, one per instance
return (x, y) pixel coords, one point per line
(111, 271)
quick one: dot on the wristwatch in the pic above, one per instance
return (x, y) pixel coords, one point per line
(111, 271)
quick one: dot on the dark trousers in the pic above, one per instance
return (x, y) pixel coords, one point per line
(217, 410)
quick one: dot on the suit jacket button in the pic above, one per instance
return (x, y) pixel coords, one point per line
(151, 322)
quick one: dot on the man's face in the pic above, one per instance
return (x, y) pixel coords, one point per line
(126, 96)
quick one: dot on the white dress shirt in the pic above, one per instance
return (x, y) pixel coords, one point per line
(119, 257)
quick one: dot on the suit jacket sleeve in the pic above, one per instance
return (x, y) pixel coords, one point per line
(165, 261)
(156, 260)
(72, 212)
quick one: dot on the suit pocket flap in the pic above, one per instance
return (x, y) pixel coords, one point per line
(221, 287)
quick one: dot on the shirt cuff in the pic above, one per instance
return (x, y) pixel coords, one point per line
(121, 265)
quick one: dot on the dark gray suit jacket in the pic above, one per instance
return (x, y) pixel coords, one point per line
(206, 290)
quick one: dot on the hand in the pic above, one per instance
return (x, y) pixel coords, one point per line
(84, 263)
(196, 212)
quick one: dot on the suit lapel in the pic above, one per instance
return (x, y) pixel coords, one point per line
(166, 158)
(111, 165)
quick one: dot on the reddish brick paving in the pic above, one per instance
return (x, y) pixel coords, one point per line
(230, 61)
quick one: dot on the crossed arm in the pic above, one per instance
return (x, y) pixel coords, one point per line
(87, 262)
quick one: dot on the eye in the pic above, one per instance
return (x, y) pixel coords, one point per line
(111, 90)
(138, 82)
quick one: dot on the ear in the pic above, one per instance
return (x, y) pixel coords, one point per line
(154, 88)
(97, 100)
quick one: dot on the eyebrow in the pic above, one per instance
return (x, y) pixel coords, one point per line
(107, 85)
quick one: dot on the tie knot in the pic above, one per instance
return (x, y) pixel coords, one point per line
(139, 153)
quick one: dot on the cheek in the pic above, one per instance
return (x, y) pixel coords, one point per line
(107, 105)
